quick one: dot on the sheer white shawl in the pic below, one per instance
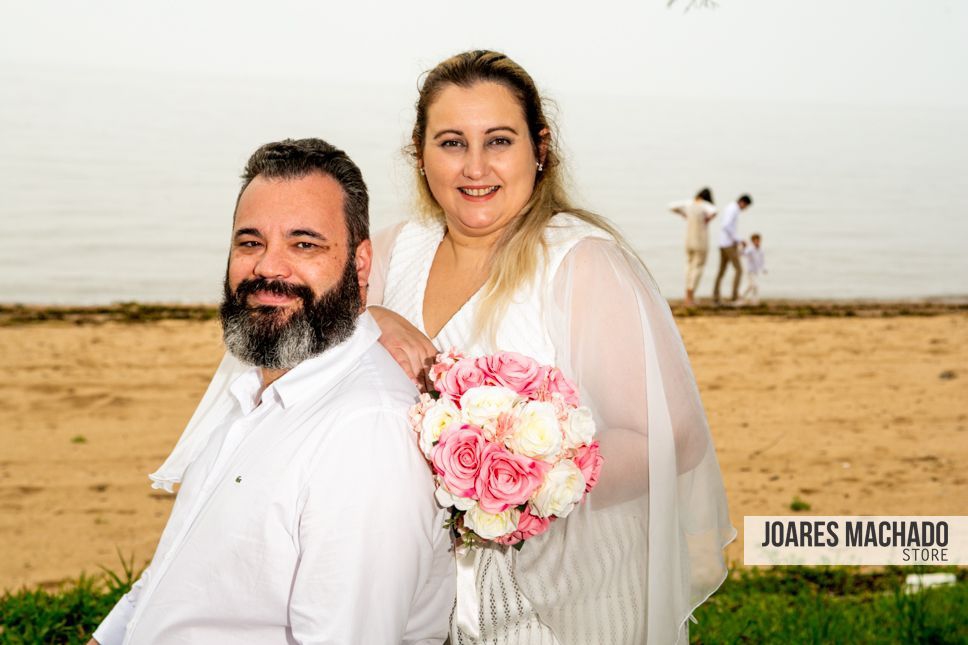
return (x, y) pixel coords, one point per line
(650, 541)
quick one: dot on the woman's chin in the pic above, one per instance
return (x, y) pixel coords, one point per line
(479, 224)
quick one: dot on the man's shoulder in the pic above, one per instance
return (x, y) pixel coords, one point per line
(377, 382)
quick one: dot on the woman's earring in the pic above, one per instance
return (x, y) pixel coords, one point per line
(540, 166)
(423, 173)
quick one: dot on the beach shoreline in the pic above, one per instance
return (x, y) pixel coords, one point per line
(140, 311)
(855, 408)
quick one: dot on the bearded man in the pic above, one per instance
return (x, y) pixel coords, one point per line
(305, 512)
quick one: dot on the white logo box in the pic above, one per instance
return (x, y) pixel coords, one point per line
(855, 540)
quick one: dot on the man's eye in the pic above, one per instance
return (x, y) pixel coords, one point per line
(249, 244)
(305, 245)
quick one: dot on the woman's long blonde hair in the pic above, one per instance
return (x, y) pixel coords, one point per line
(515, 260)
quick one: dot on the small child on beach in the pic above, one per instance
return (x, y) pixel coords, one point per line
(755, 266)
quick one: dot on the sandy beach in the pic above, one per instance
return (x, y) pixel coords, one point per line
(860, 413)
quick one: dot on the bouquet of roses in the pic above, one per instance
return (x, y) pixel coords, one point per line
(510, 446)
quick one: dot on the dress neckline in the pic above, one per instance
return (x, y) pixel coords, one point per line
(437, 237)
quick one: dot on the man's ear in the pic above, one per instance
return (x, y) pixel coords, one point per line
(363, 260)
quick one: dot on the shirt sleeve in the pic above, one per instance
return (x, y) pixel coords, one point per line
(113, 628)
(371, 548)
(709, 209)
(382, 246)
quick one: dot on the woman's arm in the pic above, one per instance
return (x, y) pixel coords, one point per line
(679, 208)
(616, 337)
(408, 345)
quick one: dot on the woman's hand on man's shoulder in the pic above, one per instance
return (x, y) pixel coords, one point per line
(408, 346)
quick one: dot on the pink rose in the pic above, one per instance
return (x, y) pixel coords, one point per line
(512, 370)
(506, 479)
(444, 362)
(528, 526)
(589, 460)
(458, 379)
(558, 384)
(418, 410)
(457, 458)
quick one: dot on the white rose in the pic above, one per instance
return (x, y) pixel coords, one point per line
(435, 420)
(491, 525)
(580, 427)
(537, 432)
(481, 406)
(447, 499)
(563, 487)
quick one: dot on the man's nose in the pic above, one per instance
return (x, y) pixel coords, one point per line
(273, 263)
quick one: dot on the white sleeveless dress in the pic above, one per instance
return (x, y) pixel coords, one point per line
(587, 579)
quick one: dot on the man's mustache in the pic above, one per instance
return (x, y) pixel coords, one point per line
(251, 286)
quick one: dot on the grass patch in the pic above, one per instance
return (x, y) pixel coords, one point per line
(69, 614)
(832, 605)
(788, 605)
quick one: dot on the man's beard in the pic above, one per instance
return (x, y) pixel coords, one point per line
(271, 338)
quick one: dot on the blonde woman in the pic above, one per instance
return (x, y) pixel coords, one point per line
(499, 258)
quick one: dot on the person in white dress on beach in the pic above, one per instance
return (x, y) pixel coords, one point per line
(499, 259)
(755, 267)
(697, 212)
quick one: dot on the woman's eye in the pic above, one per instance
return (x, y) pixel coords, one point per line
(500, 141)
(451, 143)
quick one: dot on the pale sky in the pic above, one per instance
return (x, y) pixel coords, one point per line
(831, 51)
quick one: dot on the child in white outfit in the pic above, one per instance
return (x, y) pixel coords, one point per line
(755, 267)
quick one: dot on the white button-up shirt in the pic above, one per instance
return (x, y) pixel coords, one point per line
(755, 259)
(729, 233)
(308, 517)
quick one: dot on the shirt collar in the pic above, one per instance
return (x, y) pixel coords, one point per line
(314, 376)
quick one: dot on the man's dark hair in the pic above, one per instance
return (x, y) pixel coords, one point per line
(296, 158)
(745, 198)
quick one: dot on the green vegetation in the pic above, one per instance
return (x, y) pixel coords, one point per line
(68, 615)
(789, 605)
(832, 605)
(798, 505)
(124, 312)
(78, 438)
(140, 312)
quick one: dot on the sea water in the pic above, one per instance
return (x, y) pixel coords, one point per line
(120, 186)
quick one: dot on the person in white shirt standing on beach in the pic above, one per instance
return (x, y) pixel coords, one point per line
(697, 213)
(306, 512)
(729, 246)
(755, 267)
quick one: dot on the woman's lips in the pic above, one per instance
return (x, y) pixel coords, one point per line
(478, 193)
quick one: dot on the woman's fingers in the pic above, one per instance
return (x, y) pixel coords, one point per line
(406, 344)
